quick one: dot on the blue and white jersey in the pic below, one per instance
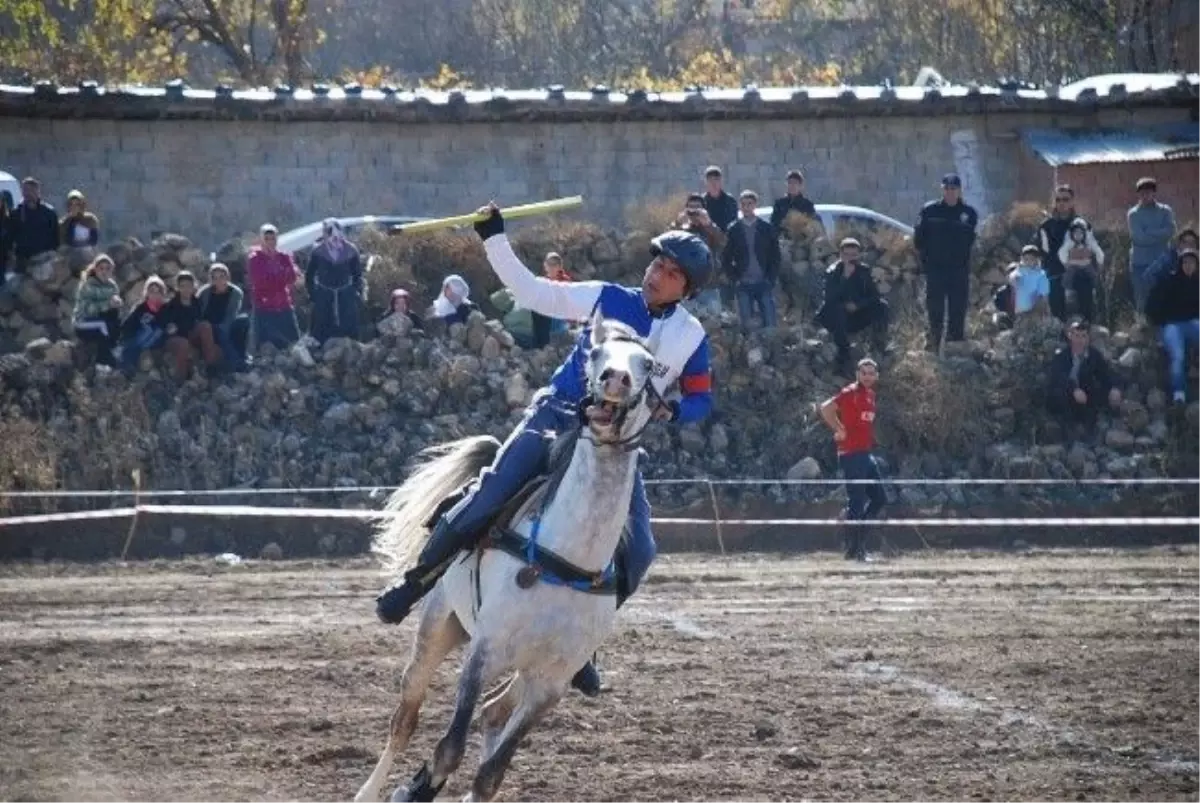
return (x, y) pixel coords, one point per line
(675, 338)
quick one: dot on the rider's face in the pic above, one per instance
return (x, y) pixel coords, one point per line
(664, 282)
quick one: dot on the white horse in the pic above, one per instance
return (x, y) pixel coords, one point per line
(517, 613)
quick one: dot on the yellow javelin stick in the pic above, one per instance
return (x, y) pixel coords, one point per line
(510, 213)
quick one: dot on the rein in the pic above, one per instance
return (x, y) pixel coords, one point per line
(631, 442)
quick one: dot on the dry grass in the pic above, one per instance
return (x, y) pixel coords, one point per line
(27, 460)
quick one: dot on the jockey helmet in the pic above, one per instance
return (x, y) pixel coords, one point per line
(690, 253)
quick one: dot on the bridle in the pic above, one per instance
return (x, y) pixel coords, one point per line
(648, 394)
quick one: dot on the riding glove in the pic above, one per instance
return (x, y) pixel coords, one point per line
(492, 226)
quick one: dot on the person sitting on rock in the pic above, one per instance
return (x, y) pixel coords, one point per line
(1174, 305)
(1080, 380)
(334, 279)
(221, 313)
(1185, 240)
(181, 317)
(453, 305)
(398, 313)
(1082, 257)
(79, 228)
(97, 315)
(851, 304)
(144, 328)
(1027, 290)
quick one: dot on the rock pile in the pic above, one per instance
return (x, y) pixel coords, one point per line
(356, 412)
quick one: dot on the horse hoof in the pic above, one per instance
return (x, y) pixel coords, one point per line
(402, 793)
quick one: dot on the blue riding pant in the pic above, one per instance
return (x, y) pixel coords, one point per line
(522, 457)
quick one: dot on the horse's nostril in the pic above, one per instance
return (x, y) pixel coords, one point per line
(626, 381)
(606, 374)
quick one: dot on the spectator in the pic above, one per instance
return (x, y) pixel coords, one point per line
(453, 305)
(721, 207)
(532, 329)
(1080, 379)
(334, 279)
(1082, 258)
(143, 328)
(1051, 235)
(400, 310)
(1187, 238)
(271, 274)
(1027, 290)
(543, 326)
(80, 228)
(752, 260)
(97, 315)
(851, 416)
(221, 313)
(852, 303)
(34, 225)
(794, 201)
(1174, 304)
(181, 316)
(6, 224)
(945, 233)
(694, 218)
(1151, 229)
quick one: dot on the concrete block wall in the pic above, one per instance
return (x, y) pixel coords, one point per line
(213, 179)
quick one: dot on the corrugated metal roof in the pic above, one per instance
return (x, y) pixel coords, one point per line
(1056, 146)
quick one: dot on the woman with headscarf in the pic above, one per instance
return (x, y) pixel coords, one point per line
(400, 319)
(454, 305)
(334, 279)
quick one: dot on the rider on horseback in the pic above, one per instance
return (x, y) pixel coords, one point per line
(680, 269)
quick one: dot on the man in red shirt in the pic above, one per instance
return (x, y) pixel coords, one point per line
(851, 416)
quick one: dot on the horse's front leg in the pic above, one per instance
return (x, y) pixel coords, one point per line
(448, 754)
(438, 633)
(536, 699)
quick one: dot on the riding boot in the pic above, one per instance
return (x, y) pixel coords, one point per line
(444, 544)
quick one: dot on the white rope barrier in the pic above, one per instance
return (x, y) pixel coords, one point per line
(374, 489)
(337, 513)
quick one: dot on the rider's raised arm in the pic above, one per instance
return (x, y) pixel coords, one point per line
(566, 300)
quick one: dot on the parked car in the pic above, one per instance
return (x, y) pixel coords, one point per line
(304, 237)
(838, 218)
(9, 184)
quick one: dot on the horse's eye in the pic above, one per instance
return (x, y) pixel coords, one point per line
(594, 354)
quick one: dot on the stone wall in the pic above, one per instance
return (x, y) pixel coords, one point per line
(215, 178)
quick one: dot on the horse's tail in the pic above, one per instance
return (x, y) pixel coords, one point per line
(441, 470)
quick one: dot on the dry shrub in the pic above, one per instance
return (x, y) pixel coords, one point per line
(419, 263)
(801, 227)
(933, 406)
(27, 458)
(573, 240)
(651, 218)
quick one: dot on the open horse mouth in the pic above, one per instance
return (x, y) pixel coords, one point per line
(603, 413)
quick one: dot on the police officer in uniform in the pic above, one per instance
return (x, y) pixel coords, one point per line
(944, 235)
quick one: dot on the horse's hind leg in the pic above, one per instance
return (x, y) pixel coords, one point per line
(535, 700)
(438, 633)
(449, 751)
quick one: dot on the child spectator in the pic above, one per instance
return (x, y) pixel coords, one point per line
(1174, 304)
(1080, 380)
(271, 275)
(399, 311)
(79, 228)
(143, 328)
(181, 317)
(454, 305)
(221, 312)
(1027, 290)
(97, 315)
(1082, 258)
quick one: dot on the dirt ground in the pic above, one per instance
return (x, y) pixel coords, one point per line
(1060, 675)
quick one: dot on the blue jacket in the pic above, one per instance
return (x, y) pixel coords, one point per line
(676, 339)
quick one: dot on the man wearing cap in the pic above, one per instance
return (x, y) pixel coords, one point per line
(1151, 229)
(852, 303)
(945, 233)
(271, 274)
(1174, 304)
(751, 261)
(33, 225)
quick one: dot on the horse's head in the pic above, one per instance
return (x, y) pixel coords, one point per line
(619, 368)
